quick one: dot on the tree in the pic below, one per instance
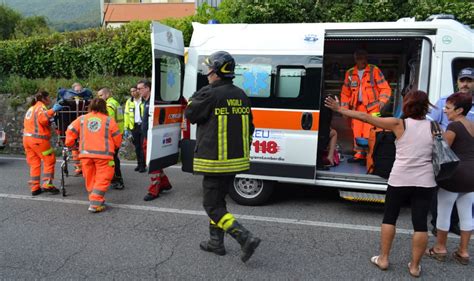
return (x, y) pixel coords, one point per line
(8, 20)
(31, 26)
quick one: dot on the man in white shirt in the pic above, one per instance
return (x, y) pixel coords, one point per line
(132, 124)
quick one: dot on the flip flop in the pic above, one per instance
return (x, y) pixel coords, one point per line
(462, 260)
(434, 255)
(414, 274)
(375, 260)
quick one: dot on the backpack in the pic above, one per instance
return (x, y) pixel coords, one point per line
(381, 152)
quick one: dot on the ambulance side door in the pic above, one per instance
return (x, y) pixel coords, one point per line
(166, 113)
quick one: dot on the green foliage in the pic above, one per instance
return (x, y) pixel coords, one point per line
(22, 88)
(30, 26)
(8, 20)
(120, 51)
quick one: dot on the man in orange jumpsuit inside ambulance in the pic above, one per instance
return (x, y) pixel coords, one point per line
(99, 137)
(36, 141)
(365, 89)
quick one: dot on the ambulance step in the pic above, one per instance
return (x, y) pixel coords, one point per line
(362, 196)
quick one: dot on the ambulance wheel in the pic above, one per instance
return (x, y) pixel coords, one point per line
(251, 192)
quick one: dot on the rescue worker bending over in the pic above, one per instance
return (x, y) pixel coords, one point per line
(99, 137)
(116, 112)
(223, 116)
(36, 141)
(366, 90)
(133, 122)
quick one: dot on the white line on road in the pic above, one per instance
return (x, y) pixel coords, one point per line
(202, 213)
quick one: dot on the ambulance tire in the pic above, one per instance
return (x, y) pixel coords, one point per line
(251, 192)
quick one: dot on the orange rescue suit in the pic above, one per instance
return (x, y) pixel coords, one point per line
(99, 137)
(374, 91)
(36, 136)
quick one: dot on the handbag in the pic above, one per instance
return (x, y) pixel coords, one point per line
(444, 159)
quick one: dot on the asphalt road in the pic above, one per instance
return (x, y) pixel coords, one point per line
(308, 234)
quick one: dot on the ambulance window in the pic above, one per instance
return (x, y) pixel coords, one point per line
(254, 79)
(289, 82)
(170, 78)
(459, 64)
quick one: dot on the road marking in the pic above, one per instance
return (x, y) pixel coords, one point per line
(202, 213)
(59, 160)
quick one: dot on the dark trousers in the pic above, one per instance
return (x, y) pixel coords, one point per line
(434, 211)
(138, 142)
(118, 172)
(215, 188)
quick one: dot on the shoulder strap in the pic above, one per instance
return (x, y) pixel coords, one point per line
(435, 129)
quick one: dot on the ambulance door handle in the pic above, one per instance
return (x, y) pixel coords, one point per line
(307, 120)
(162, 115)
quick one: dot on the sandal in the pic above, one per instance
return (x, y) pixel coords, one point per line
(416, 275)
(434, 255)
(375, 260)
(462, 260)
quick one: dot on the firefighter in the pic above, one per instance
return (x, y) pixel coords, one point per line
(224, 133)
(36, 141)
(99, 139)
(159, 181)
(366, 90)
(116, 112)
(133, 122)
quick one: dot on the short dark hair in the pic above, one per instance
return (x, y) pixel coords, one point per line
(145, 82)
(98, 105)
(39, 96)
(416, 105)
(461, 100)
(360, 53)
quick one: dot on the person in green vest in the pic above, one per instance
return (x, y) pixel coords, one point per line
(133, 121)
(115, 111)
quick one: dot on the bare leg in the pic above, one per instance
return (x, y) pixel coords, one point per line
(386, 239)
(419, 243)
(463, 245)
(440, 245)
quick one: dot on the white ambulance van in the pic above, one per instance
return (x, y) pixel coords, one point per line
(287, 70)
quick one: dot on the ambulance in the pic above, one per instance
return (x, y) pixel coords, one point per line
(287, 70)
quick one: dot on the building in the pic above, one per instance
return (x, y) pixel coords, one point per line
(118, 12)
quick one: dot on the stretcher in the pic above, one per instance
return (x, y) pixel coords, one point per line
(71, 110)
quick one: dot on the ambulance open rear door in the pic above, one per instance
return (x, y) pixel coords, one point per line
(166, 113)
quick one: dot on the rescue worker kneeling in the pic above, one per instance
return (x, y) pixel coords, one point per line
(36, 136)
(224, 135)
(99, 137)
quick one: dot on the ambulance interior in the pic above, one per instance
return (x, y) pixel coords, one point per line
(404, 61)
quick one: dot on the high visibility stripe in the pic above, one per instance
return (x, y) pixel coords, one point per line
(222, 137)
(106, 137)
(48, 175)
(82, 130)
(381, 81)
(221, 162)
(245, 135)
(72, 129)
(35, 121)
(372, 104)
(35, 178)
(226, 221)
(221, 170)
(98, 152)
(47, 152)
(116, 133)
(36, 136)
(372, 81)
(98, 192)
(96, 203)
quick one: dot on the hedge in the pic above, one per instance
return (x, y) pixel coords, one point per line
(112, 52)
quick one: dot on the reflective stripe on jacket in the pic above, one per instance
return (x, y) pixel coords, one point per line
(375, 89)
(115, 111)
(99, 135)
(129, 114)
(36, 122)
(223, 116)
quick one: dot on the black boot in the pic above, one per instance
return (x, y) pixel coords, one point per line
(247, 241)
(216, 241)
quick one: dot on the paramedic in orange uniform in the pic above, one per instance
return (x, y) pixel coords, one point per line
(99, 137)
(36, 136)
(366, 90)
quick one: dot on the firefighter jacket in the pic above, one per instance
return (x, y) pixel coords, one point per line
(36, 123)
(223, 116)
(129, 114)
(375, 89)
(115, 111)
(99, 136)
